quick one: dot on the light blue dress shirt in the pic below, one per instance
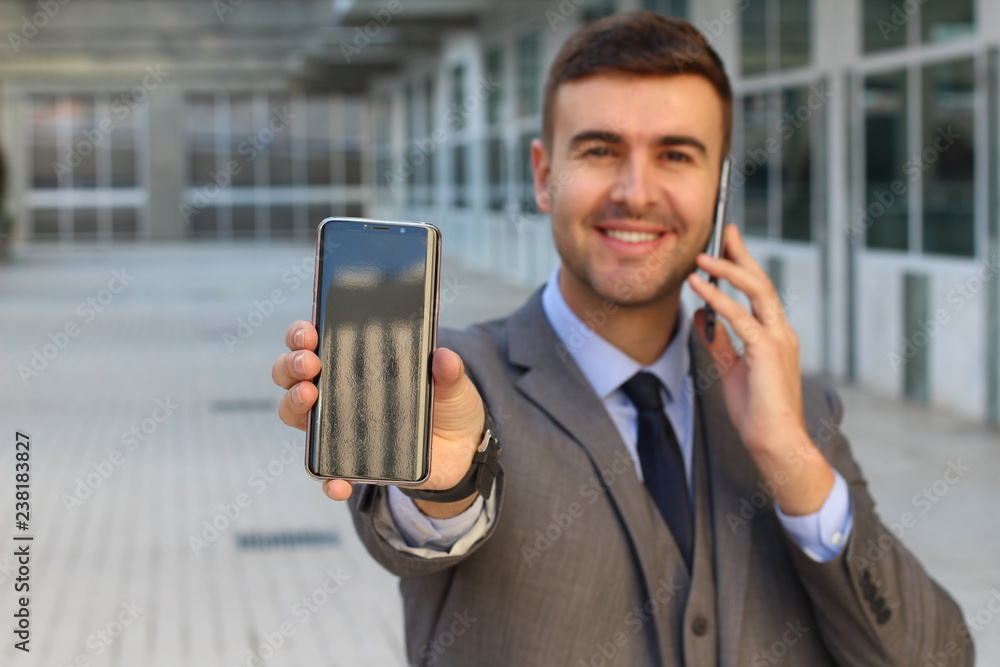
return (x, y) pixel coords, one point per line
(821, 535)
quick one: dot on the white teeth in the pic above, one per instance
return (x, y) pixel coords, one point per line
(631, 236)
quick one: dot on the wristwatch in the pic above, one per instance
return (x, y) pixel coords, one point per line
(484, 469)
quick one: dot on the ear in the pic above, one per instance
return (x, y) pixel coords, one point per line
(541, 168)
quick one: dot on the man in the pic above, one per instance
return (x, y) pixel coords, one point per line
(664, 500)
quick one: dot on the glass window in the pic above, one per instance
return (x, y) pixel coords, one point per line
(775, 35)
(244, 143)
(46, 170)
(668, 7)
(282, 221)
(82, 146)
(429, 105)
(946, 20)
(528, 75)
(494, 73)
(200, 117)
(753, 171)
(460, 178)
(317, 141)
(527, 178)
(496, 170)
(753, 37)
(124, 224)
(45, 224)
(124, 170)
(796, 164)
(85, 224)
(276, 136)
(884, 25)
(884, 219)
(794, 26)
(457, 97)
(598, 10)
(946, 158)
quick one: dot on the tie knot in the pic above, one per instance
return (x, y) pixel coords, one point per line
(643, 389)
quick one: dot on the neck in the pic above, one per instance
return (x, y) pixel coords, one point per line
(642, 332)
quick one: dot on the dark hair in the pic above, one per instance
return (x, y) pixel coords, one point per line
(640, 42)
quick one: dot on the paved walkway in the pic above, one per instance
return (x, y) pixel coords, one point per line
(174, 524)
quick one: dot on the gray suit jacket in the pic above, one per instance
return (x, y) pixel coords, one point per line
(580, 569)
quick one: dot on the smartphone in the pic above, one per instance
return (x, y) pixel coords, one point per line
(375, 307)
(715, 241)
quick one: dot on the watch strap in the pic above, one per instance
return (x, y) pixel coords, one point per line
(482, 472)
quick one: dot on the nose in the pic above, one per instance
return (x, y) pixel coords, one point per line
(634, 188)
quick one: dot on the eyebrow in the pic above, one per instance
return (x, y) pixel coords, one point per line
(615, 138)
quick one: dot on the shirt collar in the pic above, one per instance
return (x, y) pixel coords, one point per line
(605, 366)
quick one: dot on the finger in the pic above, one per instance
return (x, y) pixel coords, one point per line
(765, 303)
(745, 324)
(293, 367)
(337, 489)
(735, 249)
(295, 404)
(301, 336)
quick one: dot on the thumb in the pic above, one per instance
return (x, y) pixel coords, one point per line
(448, 370)
(457, 404)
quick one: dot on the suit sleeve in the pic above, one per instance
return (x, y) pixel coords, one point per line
(875, 603)
(368, 521)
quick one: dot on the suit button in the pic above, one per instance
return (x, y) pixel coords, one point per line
(868, 590)
(884, 616)
(699, 626)
(878, 605)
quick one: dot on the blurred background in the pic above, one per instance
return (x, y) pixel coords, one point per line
(193, 146)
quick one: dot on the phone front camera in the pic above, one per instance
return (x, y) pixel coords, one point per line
(402, 230)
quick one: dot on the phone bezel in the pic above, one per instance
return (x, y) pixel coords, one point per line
(435, 267)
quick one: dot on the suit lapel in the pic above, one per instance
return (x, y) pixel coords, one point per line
(554, 383)
(732, 475)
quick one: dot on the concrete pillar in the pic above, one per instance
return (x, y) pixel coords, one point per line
(165, 166)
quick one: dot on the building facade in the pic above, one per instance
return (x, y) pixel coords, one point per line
(865, 147)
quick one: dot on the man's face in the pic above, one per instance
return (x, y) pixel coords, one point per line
(630, 182)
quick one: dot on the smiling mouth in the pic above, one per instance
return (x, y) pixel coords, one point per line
(631, 236)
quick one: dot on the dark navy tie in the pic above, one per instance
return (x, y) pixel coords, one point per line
(661, 460)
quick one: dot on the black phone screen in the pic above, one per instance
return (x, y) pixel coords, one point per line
(375, 314)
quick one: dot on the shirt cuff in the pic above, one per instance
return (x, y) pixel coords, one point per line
(823, 534)
(397, 519)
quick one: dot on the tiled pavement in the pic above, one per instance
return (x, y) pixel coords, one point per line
(155, 418)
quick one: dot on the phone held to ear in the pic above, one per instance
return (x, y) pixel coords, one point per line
(375, 306)
(715, 242)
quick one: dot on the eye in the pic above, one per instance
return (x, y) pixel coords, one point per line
(597, 151)
(677, 156)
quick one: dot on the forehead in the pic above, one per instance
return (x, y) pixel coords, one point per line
(639, 107)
